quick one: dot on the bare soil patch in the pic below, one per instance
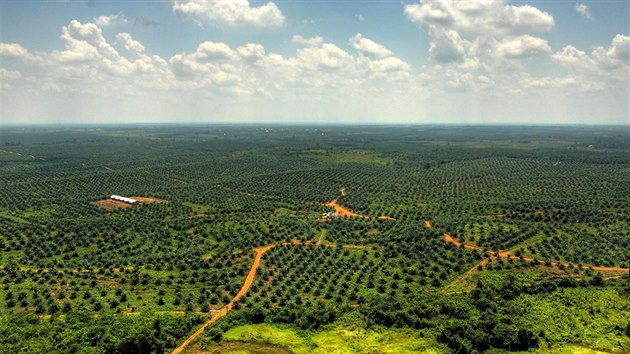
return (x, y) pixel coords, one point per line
(340, 210)
(149, 200)
(427, 223)
(383, 217)
(343, 212)
(110, 204)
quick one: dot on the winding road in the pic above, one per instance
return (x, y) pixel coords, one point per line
(226, 309)
(260, 251)
(507, 254)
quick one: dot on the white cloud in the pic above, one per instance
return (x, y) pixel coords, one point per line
(570, 55)
(7, 77)
(601, 61)
(447, 46)
(129, 43)
(231, 12)
(620, 48)
(368, 47)
(523, 47)
(13, 50)
(111, 20)
(311, 42)
(584, 11)
(488, 17)
(389, 65)
(211, 51)
(329, 58)
(252, 52)
(9, 74)
(319, 78)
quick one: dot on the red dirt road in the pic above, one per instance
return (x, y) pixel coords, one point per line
(342, 211)
(224, 311)
(506, 254)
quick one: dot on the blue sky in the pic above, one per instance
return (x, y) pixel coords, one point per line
(348, 61)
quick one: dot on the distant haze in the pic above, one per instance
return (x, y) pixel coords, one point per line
(229, 61)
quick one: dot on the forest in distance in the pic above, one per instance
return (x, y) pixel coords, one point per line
(314, 239)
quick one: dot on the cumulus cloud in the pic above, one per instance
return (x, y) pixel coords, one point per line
(111, 20)
(12, 50)
(231, 12)
(489, 17)
(312, 42)
(129, 43)
(212, 51)
(570, 55)
(601, 60)
(7, 75)
(620, 48)
(447, 46)
(368, 47)
(389, 65)
(84, 42)
(584, 11)
(329, 58)
(252, 52)
(490, 64)
(523, 47)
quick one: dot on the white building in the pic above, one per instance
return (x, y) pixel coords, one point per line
(123, 199)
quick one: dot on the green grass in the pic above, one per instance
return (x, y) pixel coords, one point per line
(569, 349)
(243, 348)
(271, 334)
(342, 340)
(338, 338)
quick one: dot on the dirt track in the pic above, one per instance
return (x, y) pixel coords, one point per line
(246, 285)
(342, 211)
(506, 254)
(226, 309)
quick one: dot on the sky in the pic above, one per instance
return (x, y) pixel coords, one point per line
(315, 61)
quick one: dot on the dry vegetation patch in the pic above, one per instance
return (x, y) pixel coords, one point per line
(109, 204)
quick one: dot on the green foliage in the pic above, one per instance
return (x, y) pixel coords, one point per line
(80, 332)
(544, 193)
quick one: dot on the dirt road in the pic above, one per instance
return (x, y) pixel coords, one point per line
(507, 254)
(226, 309)
(342, 211)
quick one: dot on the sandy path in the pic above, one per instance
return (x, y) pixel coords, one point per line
(342, 211)
(506, 254)
(224, 311)
(322, 235)
(449, 239)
